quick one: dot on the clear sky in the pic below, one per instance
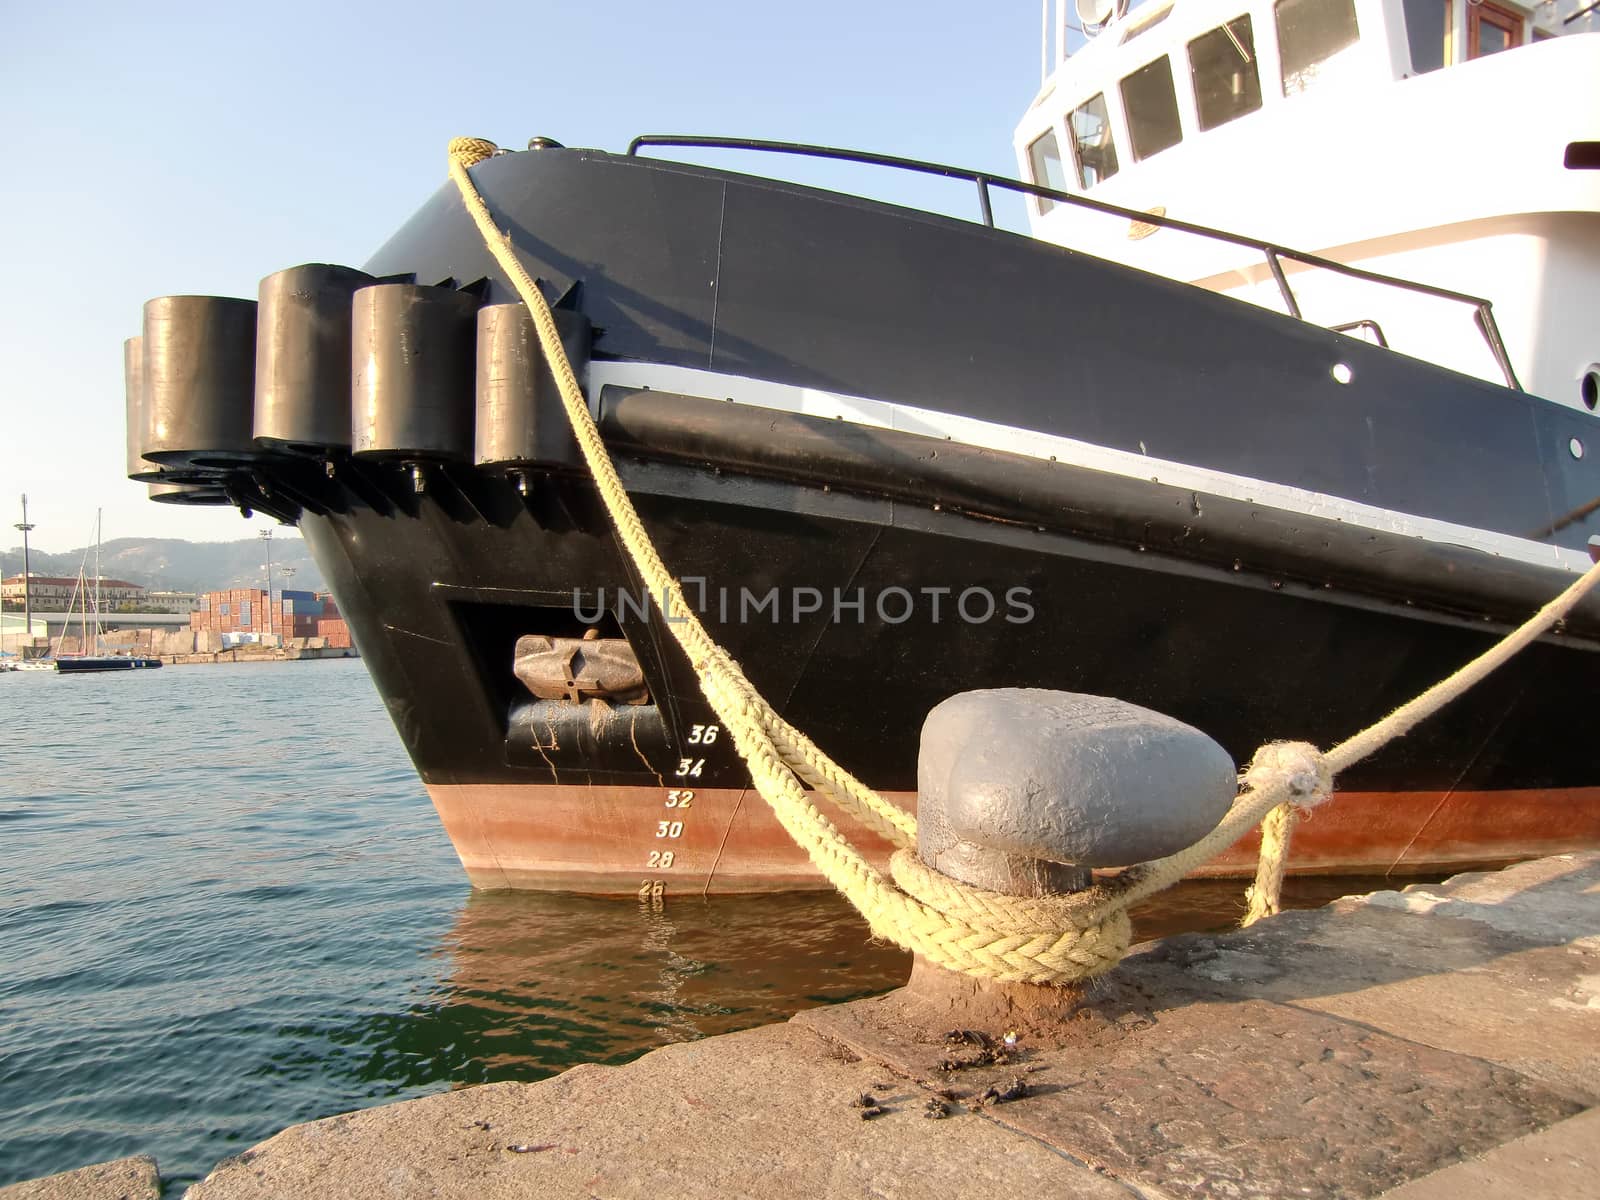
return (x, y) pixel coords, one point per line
(184, 148)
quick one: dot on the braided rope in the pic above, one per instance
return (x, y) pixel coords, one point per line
(1263, 897)
(1048, 938)
(470, 151)
(1051, 940)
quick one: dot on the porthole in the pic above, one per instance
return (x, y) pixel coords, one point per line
(1589, 387)
(1341, 373)
(1575, 447)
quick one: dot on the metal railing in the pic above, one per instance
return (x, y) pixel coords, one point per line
(1483, 314)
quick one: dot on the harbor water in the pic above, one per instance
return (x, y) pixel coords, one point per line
(226, 905)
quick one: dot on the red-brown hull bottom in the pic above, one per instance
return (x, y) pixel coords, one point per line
(661, 841)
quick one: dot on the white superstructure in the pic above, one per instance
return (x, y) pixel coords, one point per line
(1452, 142)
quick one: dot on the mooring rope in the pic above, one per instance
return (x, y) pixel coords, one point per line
(1303, 769)
(1055, 939)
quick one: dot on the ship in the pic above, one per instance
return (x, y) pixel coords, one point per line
(894, 455)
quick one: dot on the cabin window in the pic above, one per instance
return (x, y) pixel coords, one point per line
(1428, 32)
(1152, 107)
(1491, 29)
(1226, 84)
(1091, 138)
(1311, 33)
(1044, 159)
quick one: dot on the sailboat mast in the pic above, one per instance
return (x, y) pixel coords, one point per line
(27, 575)
(97, 513)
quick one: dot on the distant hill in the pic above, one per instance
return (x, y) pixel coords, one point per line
(175, 565)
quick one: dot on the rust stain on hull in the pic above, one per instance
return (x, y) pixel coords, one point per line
(631, 840)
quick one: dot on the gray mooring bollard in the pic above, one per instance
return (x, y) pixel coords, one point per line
(1024, 791)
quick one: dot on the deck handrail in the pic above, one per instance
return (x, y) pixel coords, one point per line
(1483, 310)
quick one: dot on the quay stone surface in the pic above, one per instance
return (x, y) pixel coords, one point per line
(1548, 901)
(766, 1112)
(1231, 1098)
(1508, 971)
(1423, 1050)
(1559, 1163)
(134, 1178)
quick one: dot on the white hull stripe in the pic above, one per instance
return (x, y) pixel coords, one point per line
(812, 402)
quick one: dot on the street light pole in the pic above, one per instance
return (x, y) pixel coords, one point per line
(288, 577)
(27, 585)
(266, 536)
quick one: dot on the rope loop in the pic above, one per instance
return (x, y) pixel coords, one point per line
(470, 151)
(1015, 939)
(1299, 767)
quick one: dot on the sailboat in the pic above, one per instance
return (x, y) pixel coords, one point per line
(85, 662)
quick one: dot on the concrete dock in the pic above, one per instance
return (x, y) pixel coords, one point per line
(253, 654)
(1440, 1041)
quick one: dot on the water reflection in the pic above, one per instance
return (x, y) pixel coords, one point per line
(531, 984)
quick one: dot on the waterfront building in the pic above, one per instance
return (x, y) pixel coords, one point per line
(55, 592)
(170, 602)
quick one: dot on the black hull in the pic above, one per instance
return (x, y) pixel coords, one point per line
(1249, 619)
(436, 599)
(705, 269)
(84, 666)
